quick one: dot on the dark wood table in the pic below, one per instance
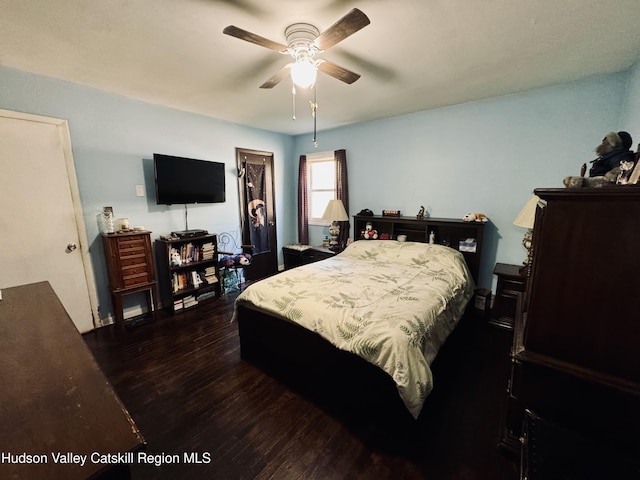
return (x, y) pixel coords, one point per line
(55, 399)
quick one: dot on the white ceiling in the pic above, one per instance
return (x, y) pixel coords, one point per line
(415, 55)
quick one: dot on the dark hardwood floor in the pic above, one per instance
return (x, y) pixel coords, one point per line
(186, 387)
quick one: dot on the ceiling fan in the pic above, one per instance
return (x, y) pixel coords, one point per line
(304, 41)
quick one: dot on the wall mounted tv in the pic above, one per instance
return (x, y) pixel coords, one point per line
(188, 180)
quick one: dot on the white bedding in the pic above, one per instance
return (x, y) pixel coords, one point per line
(392, 303)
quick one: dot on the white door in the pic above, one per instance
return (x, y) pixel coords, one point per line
(42, 235)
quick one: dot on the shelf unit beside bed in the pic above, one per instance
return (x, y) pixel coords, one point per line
(447, 231)
(196, 279)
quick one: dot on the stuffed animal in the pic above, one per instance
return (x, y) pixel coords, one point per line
(475, 217)
(175, 259)
(239, 259)
(613, 150)
(606, 169)
(369, 232)
(226, 261)
(243, 259)
(626, 169)
(595, 182)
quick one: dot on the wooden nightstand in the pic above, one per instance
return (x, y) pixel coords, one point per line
(296, 255)
(510, 283)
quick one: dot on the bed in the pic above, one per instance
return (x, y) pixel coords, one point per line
(370, 320)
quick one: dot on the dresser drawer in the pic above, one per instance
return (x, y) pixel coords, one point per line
(131, 245)
(135, 259)
(510, 286)
(135, 269)
(313, 255)
(294, 257)
(134, 277)
(129, 260)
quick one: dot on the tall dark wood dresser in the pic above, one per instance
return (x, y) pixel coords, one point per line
(576, 352)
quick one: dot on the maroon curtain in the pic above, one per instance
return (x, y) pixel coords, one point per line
(303, 202)
(342, 192)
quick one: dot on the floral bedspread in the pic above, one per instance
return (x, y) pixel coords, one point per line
(392, 303)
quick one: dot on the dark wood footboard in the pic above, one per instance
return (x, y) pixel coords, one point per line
(340, 380)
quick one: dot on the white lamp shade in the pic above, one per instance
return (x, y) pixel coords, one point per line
(527, 216)
(335, 212)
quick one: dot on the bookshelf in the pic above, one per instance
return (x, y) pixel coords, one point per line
(188, 271)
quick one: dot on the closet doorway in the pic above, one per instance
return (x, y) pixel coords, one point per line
(257, 212)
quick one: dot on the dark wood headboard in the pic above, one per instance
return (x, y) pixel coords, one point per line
(447, 231)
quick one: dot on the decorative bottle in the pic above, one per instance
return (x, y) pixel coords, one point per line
(107, 220)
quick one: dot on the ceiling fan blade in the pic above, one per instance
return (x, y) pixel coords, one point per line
(336, 71)
(346, 26)
(277, 78)
(253, 38)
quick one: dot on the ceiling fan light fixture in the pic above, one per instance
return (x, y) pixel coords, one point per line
(304, 41)
(300, 37)
(304, 72)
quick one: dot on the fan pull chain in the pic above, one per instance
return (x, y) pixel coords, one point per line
(293, 101)
(314, 111)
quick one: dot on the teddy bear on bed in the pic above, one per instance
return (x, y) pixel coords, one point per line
(615, 160)
(369, 233)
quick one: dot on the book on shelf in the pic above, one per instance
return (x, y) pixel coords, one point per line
(189, 301)
(196, 281)
(210, 276)
(190, 253)
(207, 251)
(187, 253)
(191, 279)
(178, 282)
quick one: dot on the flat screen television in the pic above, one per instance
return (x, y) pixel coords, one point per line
(188, 180)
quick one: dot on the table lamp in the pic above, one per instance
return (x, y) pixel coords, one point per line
(526, 219)
(335, 212)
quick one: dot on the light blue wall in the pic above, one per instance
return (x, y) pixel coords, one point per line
(630, 121)
(486, 156)
(113, 140)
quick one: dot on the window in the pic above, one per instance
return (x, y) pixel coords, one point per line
(321, 175)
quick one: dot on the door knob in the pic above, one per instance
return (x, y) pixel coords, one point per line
(71, 247)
